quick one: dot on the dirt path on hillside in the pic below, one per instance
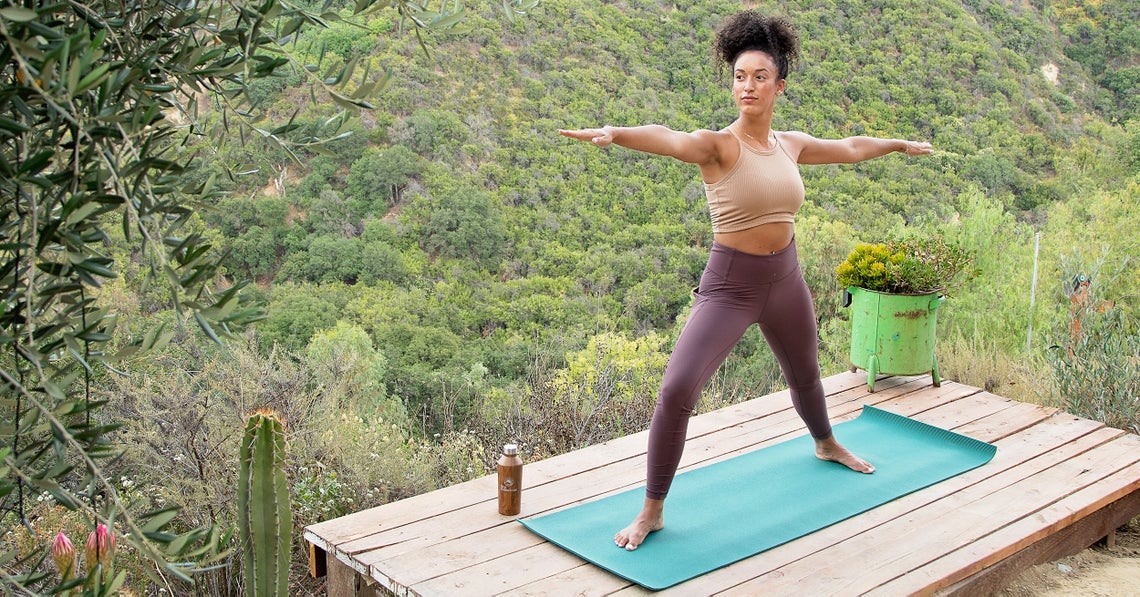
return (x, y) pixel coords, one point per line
(1095, 572)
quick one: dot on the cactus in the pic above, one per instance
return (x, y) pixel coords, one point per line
(264, 519)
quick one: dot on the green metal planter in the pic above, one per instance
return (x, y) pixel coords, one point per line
(893, 334)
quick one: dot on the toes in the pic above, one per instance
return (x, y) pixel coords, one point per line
(628, 542)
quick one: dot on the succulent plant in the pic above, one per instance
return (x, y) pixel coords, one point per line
(265, 522)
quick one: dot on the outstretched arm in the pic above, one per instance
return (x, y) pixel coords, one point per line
(698, 147)
(852, 149)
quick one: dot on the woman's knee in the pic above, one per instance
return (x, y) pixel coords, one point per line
(677, 396)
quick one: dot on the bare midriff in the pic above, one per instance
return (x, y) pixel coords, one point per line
(764, 239)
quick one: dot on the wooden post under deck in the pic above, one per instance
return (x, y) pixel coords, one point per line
(318, 562)
(344, 581)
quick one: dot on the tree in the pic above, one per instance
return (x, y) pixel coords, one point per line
(348, 368)
(97, 101)
(464, 223)
(378, 179)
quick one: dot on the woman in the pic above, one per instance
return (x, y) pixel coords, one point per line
(754, 189)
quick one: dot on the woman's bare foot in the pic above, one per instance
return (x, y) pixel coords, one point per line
(829, 449)
(651, 518)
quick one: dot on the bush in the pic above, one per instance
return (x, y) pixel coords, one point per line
(914, 266)
(1098, 372)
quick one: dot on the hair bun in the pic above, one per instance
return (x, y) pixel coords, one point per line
(750, 30)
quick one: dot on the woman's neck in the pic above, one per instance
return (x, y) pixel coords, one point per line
(756, 130)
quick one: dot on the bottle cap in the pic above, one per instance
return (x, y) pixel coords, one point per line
(510, 449)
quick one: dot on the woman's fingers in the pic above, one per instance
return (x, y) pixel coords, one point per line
(596, 136)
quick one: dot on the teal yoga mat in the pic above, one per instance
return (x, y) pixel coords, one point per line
(734, 509)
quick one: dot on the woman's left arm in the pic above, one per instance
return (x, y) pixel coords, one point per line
(850, 150)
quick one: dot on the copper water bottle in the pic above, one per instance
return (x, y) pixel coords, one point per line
(510, 481)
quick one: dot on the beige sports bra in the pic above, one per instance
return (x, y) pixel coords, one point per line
(763, 187)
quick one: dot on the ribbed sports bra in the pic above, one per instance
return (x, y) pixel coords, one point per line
(763, 187)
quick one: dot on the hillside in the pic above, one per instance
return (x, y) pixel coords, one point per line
(455, 212)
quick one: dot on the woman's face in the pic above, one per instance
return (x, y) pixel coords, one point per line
(756, 81)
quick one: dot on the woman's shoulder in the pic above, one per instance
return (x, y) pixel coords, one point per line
(723, 133)
(797, 137)
(722, 138)
(794, 142)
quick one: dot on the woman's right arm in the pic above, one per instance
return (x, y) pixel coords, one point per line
(698, 147)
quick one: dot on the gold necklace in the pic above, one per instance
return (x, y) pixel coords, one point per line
(762, 145)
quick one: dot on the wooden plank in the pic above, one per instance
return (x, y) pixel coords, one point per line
(585, 580)
(733, 440)
(838, 389)
(920, 533)
(981, 405)
(390, 523)
(1091, 512)
(343, 581)
(1065, 542)
(759, 415)
(968, 405)
(476, 519)
(911, 541)
(318, 561)
(1088, 506)
(1015, 419)
(501, 574)
(413, 567)
(345, 559)
(346, 529)
(931, 398)
(339, 531)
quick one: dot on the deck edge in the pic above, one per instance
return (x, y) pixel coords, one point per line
(1066, 542)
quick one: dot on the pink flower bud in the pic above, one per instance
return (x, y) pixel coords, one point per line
(63, 552)
(100, 548)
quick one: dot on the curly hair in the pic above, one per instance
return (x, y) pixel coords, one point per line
(749, 30)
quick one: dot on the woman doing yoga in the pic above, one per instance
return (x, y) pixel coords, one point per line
(753, 186)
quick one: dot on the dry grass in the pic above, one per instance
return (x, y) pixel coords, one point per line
(982, 365)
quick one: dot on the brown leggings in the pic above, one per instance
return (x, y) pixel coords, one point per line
(737, 290)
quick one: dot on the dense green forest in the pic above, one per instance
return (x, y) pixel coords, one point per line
(454, 275)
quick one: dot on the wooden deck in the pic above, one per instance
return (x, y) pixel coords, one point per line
(1058, 484)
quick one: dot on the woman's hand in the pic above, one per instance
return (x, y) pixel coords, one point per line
(913, 148)
(698, 147)
(602, 137)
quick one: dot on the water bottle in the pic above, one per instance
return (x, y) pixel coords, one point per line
(510, 481)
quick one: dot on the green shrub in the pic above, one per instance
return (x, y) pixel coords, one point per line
(912, 266)
(1098, 373)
